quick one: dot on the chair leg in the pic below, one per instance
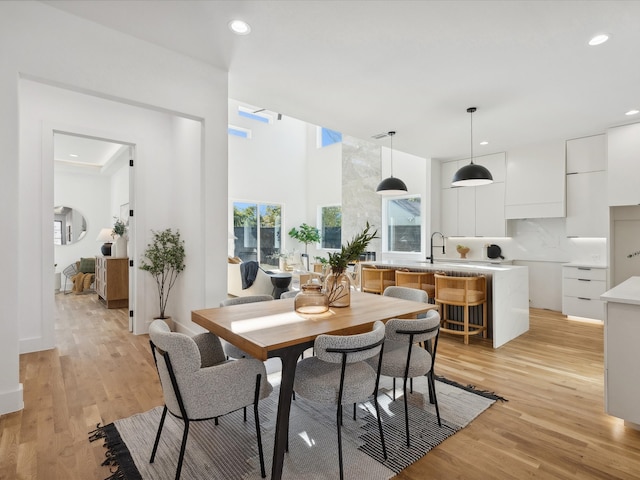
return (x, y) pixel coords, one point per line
(406, 411)
(183, 447)
(338, 424)
(394, 388)
(244, 413)
(256, 399)
(216, 421)
(354, 412)
(466, 325)
(411, 384)
(384, 447)
(155, 444)
(432, 387)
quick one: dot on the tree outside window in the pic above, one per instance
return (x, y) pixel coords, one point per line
(258, 231)
(331, 226)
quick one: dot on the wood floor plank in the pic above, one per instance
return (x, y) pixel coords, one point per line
(553, 426)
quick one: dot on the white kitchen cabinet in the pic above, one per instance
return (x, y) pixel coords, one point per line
(582, 286)
(623, 157)
(535, 182)
(449, 212)
(587, 154)
(474, 211)
(587, 201)
(587, 209)
(490, 221)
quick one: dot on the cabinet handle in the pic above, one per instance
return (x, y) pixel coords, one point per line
(584, 268)
(572, 173)
(584, 280)
(583, 298)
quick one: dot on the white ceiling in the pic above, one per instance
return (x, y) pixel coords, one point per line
(89, 155)
(365, 67)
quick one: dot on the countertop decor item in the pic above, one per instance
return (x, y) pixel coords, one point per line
(473, 174)
(462, 250)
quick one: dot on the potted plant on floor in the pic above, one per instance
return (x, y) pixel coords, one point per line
(337, 283)
(164, 259)
(307, 234)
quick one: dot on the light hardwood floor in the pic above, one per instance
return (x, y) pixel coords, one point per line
(552, 427)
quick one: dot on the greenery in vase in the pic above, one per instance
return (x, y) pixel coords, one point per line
(307, 234)
(351, 252)
(164, 259)
(119, 228)
(339, 261)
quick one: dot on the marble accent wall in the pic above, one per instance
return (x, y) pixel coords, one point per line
(361, 173)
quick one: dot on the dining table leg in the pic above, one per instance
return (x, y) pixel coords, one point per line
(289, 357)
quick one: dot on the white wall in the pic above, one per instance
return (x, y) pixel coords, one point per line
(41, 42)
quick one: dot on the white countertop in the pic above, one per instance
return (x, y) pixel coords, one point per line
(626, 292)
(456, 265)
(584, 265)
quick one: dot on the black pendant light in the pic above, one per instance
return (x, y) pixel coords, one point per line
(392, 185)
(473, 174)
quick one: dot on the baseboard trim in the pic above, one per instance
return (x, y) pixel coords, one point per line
(11, 401)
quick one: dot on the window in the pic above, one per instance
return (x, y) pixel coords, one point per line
(328, 137)
(258, 231)
(239, 131)
(258, 115)
(403, 227)
(331, 226)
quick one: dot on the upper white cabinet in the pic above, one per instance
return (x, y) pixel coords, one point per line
(474, 211)
(587, 207)
(535, 182)
(624, 165)
(587, 154)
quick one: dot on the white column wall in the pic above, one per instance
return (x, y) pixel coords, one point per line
(41, 42)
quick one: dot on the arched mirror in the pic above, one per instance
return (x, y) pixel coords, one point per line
(69, 225)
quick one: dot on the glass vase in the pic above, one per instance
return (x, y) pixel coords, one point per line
(337, 286)
(311, 299)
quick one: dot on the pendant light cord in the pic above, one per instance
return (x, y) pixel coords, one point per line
(471, 110)
(391, 134)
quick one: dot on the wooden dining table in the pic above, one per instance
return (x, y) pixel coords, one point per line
(274, 329)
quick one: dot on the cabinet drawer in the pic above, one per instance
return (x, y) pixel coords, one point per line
(573, 287)
(580, 307)
(587, 273)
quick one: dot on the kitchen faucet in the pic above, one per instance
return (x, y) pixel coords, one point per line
(430, 258)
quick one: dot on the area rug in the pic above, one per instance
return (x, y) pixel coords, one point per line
(229, 450)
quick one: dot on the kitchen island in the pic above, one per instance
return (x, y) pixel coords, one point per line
(621, 357)
(507, 285)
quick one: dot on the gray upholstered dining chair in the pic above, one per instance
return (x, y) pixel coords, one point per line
(289, 294)
(339, 374)
(229, 349)
(415, 295)
(404, 358)
(198, 383)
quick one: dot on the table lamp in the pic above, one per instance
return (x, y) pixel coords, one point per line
(106, 237)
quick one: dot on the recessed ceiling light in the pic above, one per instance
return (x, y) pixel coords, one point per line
(484, 143)
(598, 39)
(239, 27)
(73, 155)
(632, 112)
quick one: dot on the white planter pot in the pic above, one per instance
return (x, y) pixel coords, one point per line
(120, 246)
